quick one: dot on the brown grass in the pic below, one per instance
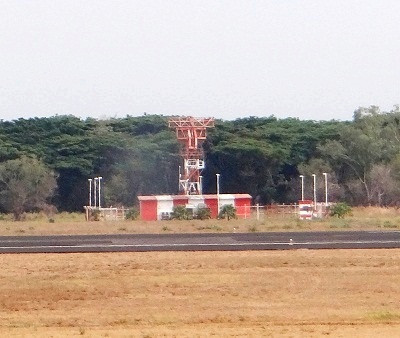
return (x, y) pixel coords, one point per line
(370, 218)
(280, 293)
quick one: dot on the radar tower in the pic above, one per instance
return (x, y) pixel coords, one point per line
(191, 133)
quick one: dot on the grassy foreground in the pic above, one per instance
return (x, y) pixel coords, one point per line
(370, 218)
(246, 294)
(307, 293)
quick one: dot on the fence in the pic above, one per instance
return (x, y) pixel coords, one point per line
(107, 214)
(261, 212)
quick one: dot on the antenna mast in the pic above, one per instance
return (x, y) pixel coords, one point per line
(191, 133)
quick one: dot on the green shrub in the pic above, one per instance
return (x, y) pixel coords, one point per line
(340, 210)
(132, 214)
(96, 215)
(228, 211)
(388, 224)
(253, 228)
(210, 227)
(181, 213)
(203, 213)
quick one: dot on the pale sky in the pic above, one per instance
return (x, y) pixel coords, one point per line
(315, 60)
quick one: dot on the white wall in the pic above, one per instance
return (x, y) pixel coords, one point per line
(164, 204)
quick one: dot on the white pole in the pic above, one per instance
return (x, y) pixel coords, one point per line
(302, 187)
(179, 181)
(95, 192)
(90, 192)
(100, 191)
(218, 192)
(201, 185)
(258, 211)
(315, 191)
(326, 188)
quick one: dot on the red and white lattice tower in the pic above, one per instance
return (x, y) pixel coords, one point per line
(191, 133)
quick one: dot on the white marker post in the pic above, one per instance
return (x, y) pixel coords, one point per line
(90, 192)
(302, 187)
(326, 188)
(315, 191)
(100, 178)
(218, 206)
(95, 192)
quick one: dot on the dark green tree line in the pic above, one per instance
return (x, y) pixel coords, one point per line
(260, 156)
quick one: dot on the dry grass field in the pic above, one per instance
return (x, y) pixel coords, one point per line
(306, 293)
(370, 218)
(194, 294)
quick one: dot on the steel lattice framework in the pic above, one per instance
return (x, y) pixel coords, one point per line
(191, 132)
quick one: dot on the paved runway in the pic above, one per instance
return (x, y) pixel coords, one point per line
(202, 242)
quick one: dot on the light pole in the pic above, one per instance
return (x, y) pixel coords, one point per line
(315, 191)
(99, 178)
(218, 191)
(179, 180)
(302, 187)
(95, 191)
(90, 192)
(326, 188)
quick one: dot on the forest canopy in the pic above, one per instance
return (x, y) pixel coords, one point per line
(262, 156)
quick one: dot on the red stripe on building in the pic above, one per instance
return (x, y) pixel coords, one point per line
(212, 204)
(242, 205)
(148, 210)
(180, 200)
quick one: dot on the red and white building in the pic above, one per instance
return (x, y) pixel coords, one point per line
(306, 209)
(154, 208)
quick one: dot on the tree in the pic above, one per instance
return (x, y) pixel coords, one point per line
(228, 211)
(356, 151)
(384, 188)
(264, 153)
(363, 151)
(140, 155)
(26, 184)
(340, 210)
(137, 172)
(116, 149)
(317, 166)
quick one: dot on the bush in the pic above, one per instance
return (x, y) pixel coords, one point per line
(227, 211)
(253, 228)
(180, 213)
(203, 213)
(340, 210)
(132, 214)
(96, 215)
